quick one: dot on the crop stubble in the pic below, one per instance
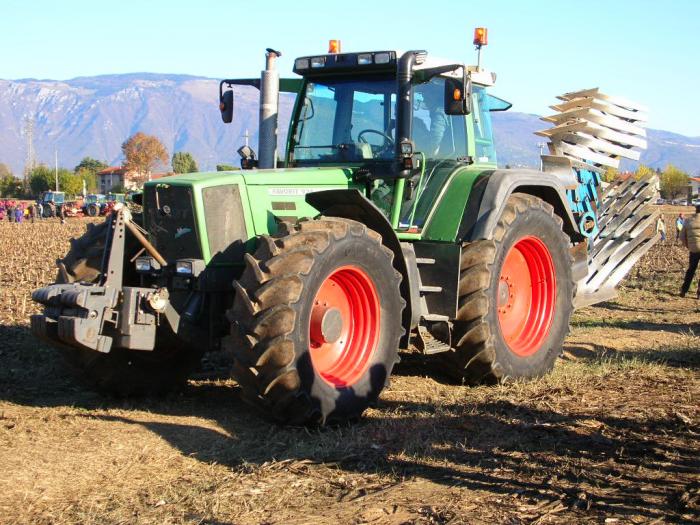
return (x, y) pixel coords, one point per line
(610, 435)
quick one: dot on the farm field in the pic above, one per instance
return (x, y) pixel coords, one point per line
(611, 436)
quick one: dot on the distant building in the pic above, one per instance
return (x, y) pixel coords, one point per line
(694, 185)
(120, 177)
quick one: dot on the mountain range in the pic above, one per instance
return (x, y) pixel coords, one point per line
(92, 116)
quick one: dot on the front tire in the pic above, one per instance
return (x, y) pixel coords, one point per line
(316, 322)
(515, 297)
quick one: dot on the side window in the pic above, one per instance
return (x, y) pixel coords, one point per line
(483, 133)
(437, 135)
(316, 119)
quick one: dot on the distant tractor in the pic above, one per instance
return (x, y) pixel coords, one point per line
(111, 201)
(387, 225)
(93, 203)
(51, 201)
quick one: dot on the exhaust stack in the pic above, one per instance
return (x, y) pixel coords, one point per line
(269, 108)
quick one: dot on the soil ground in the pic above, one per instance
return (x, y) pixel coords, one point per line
(611, 436)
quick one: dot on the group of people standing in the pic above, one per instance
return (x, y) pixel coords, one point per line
(661, 226)
(17, 211)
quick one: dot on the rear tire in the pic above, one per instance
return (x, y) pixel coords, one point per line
(316, 322)
(121, 372)
(515, 298)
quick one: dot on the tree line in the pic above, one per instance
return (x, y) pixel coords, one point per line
(142, 155)
(674, 182)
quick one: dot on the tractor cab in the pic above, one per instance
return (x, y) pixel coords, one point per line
(404, 123)
(93, 198)
(53, 197)
(115, 197)
(408, 122)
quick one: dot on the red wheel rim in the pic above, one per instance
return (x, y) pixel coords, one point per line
(526, 295)
(344, 326)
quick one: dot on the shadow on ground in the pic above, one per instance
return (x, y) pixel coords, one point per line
(503, 447)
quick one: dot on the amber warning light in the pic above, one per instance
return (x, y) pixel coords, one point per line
(481, 36)
(334, 46)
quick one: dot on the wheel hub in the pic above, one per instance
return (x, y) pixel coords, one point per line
(526, 296)
(505, 294)
(344, 326)
(326, 324)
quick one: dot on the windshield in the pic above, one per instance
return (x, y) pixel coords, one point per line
(345, 120)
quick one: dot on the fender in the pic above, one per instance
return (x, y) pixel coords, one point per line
(492, 189)
(351, 204)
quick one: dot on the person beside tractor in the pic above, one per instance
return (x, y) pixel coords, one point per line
(679, 226)
(661, 227)
(690, 237)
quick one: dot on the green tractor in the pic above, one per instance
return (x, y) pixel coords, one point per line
(387, 225)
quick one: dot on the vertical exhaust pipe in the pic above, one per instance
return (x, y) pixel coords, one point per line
(269, 108)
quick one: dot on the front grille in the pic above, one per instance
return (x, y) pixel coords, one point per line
(226, 232)
(170, 221)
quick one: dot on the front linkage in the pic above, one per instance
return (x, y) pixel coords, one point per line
(107, 314)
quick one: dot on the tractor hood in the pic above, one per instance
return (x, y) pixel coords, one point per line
(230, 207)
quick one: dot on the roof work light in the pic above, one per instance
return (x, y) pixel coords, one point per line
(481, 36)
(334, 46)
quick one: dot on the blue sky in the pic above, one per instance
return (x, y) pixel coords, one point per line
(644, 50)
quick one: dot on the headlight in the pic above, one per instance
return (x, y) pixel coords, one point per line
(146, 265)
(183, 267)
(301, 63)
(382, 58)
(189, 267)
(318, 62)
(364, 58)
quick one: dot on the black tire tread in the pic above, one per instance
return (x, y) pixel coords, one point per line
(473, 359)
(262, 317)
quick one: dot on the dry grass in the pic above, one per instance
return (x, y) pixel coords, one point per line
(611, 434)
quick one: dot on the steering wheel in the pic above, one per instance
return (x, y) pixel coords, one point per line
(388, 141)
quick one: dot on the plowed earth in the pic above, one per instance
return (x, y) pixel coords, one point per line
(611, 436)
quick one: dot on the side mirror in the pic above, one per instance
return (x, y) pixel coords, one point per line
(226, 106)
(458, 96)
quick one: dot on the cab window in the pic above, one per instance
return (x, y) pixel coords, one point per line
(483, 132)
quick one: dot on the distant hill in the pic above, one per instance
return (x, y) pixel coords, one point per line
(92, 116)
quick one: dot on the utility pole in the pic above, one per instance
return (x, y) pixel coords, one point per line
(30, 161)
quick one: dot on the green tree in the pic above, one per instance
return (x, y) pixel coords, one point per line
(10, 186)
(674, 182)
(183, 162)
(610, 174)
(225, 167)
(41, 178)
(643, 171)
(69, 182)
(90, 178)
(90, 164)
(142, 154)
